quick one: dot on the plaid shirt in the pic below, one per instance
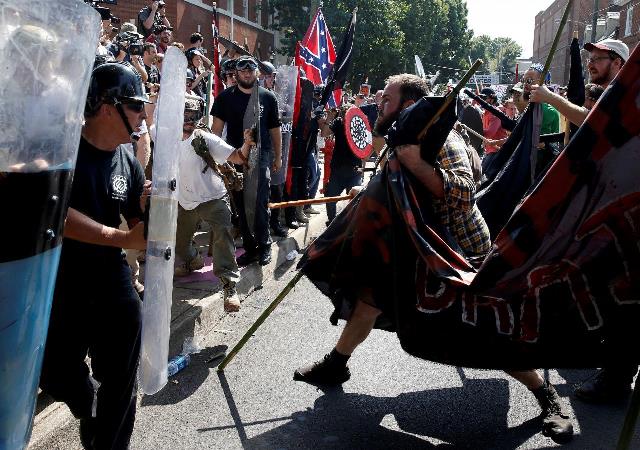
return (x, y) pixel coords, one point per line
(457, 210)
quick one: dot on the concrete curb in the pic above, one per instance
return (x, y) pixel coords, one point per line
(197, 308)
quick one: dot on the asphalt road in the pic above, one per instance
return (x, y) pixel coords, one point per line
(392, 400)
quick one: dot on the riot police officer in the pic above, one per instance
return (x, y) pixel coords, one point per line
(96, 310)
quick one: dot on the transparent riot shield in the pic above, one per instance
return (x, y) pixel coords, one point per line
(163, 216)
(285, 91)
(46, 54)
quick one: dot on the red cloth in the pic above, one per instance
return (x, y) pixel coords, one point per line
(492, 130)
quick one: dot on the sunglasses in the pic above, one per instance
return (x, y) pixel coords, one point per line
(529, 81)
(136, 107)
(246, 65)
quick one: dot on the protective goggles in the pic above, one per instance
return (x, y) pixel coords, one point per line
(191, 116)
(136, 107)
(246, 64)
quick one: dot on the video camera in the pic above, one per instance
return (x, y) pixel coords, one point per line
(130, 43)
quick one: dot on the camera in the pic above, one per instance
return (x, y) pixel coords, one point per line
(136, 49)
(130, 43)
(157, 29)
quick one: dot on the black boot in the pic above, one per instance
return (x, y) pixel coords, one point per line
(331, 370)
(555, 421)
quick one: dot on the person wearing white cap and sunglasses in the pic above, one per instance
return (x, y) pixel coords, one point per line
(606, 58)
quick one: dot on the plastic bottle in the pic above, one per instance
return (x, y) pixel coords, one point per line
(177, 364)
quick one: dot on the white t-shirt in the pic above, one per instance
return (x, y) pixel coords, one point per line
(197, 187)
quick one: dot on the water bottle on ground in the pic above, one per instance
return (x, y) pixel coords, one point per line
(178, 363)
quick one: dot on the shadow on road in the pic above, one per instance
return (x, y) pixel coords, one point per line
(186, 383)
(473, 416)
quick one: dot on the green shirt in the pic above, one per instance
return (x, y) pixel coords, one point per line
(550, 120)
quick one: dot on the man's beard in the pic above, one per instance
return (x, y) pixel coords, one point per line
(245, 84)
(599, 79)
(382, 125)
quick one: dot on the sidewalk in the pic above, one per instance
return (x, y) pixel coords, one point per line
(198, 306)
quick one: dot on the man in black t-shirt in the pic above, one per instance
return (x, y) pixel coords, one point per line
(95, 307)
(229, 108)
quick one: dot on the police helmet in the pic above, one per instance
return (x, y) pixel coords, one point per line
(228, 66)
(113, 83)
(267, 68)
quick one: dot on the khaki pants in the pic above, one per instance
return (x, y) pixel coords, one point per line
(217, 213)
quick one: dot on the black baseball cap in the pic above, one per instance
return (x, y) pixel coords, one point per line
(488, 92)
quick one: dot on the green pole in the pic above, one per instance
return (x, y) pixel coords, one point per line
(624, 442)
(259, 322)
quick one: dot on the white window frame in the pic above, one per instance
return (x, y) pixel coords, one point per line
(628, 29)
(245, 9)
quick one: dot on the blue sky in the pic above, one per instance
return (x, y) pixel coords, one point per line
(506, 18)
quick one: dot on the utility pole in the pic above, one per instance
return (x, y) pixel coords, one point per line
(594, 23)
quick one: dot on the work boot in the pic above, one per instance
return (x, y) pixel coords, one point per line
(247, 257)
(300, 217)
(326, 372)
(308, 210)
(279, 231)
(265, 256)
(555, 421)
(230, 296)
(196, 263)
(603, 388)
(292, 225)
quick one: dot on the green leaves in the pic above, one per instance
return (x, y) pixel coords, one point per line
(390, 32)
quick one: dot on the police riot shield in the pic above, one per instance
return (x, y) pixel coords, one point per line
(46, 54)
(163, 216)
(285, 91)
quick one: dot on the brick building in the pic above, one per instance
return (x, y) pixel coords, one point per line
(244, 21)
(629, 22)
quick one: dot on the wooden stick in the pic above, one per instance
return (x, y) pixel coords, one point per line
(259, 322)
(476, 134)
(310, 201)
(451, 96)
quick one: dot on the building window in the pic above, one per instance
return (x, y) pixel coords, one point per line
(245, 9)
(259, 12)
(628, 27)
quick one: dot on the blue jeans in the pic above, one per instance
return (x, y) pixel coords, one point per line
(341, 179)
(313, 174)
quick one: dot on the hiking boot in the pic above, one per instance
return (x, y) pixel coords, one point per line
(555, 421)
(308, 210)
(196, 263)
(300, 217)
(231, 298)
(603, 388)
(325, 372)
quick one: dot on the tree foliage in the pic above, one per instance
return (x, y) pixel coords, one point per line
(499, 54)
(390, 32)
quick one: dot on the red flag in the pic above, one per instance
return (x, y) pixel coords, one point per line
(217, 81)
(296, 115)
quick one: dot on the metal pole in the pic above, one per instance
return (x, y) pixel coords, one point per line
(594, 23)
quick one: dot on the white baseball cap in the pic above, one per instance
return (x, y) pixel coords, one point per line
(613, 45)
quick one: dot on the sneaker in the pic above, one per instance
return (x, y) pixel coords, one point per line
(309, 210)
(323, 372)
(556, 423)
(231, 298)
(602, 389)
(292, 225)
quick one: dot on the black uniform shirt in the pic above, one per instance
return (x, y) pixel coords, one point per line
(105, 185)
(230, 107)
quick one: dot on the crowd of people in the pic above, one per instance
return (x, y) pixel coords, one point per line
(112, 179)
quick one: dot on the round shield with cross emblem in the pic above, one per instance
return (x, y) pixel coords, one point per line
(358, 131)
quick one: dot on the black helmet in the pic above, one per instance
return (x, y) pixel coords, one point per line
(268, 68)
(228, 66)
(113, 83)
